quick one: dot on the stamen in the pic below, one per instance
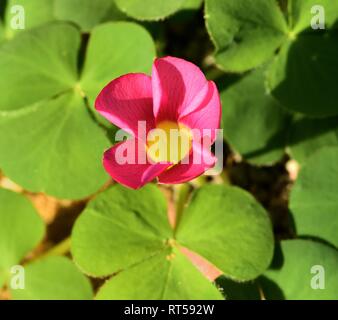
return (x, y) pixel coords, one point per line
(169, 142)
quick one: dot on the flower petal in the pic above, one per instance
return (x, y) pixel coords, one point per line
(127, 164)
(207, 117)
(200, 160)
(127, 100)
(176, 86)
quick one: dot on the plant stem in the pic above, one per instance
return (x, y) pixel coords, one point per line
(182, 193)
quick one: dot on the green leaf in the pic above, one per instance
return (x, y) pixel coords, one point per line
(149, 9)
(308, 135)
(36, 12)
(45, 58)
(314, 201)
(253, 121)
(21, 229)
(115, 49)
(229, 228)
(59, 150)
(127, 232)
(245, 33)
(292, 280)
(303, 75)
(300, 13)
(119, 228)
(87, 13)
(45, 123)
(168, 275)
(53, 278)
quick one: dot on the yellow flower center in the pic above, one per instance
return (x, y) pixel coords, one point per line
(169, 142)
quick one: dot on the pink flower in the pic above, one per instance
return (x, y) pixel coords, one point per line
(176, 96)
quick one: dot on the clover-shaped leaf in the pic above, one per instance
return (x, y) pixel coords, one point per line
(253, 121)
(307, 135)
(45, 58)
(249, 33)
(87, 13)
(149, 9)
(45, 122)
(21, 229)
(53, 278)
(304, 270)
(245, 33)
(127, 232)
(115, 49)
(314, 201)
